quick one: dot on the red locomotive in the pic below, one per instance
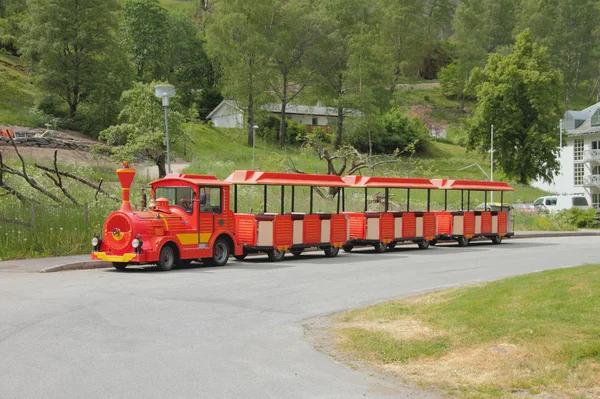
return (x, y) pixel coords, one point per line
(191, 219)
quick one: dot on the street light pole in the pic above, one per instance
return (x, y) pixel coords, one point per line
(253, 143)
(165, 92)
(492, 166)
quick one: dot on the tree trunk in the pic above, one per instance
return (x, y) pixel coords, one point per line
(160, 162)
(340, 116)
(250, 105)
(568, 83)
(282, 123)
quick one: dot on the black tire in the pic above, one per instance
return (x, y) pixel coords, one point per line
(166, 259)
(433, 242)
(348, 248)
(275, 255)
(184, 262)
(296, 252)
(423, 244)
(392, 245)
(380, 247)
(221, 252)
(497, 240)
(463, 242)
(331, 252)
(120, 266)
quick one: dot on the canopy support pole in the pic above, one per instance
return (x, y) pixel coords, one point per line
(502, 200)
(366, 204)
(282, 199)
(445, 200)
(485, 201)
(293, 187)
(338, 200)
(468, 200)
(265, 200)
(387, 199)
(311, 199)
(235, 209)
(462, 200)
(428, 199)
(343, 199)
(408, 200)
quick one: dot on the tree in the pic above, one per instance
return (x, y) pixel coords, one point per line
(145, 32)
(518, 94)
(65, 42)
(294, 37)
(236, 36)
(568, 28)
(142, 131)
(11, 13)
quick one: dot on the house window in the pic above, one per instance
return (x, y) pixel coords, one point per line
(578, 150)
(596, 200)
(578, 174)
(315, 121)
(596, 170)
(596, 118)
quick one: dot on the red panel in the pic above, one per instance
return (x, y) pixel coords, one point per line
(386, 227)
(486, 222)
(282, 231)
(245, 229)
(444, 222)
(429, 230)
(409, 225)
(358, 227)
(338, 229)
(502, 223)
(312, 229)
(469, 224)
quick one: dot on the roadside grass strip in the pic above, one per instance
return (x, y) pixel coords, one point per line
(532, 336)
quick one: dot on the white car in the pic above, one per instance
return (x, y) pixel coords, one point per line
(556, 203)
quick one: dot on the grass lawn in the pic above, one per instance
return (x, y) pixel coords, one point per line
(526, 336)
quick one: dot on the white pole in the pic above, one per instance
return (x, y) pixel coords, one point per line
(253, 143)
(168, 144)
(561, 130)
(492, 165)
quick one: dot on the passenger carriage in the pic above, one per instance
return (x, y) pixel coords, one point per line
(385, 229)
(274, 233)
(466, 224)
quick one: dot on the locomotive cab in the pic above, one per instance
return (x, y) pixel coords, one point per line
(188, 219)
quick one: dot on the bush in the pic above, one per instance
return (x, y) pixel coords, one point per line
(269, 131)
(579, 218)
(450, 80)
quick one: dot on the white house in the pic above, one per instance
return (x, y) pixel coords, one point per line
(228, 114)
(579, 157)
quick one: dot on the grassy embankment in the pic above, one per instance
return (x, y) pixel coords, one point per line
(530, 336)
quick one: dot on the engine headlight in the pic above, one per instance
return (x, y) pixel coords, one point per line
(95, 241)
(136, 243)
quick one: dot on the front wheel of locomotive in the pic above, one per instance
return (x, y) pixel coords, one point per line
(120, 266)
(331, 252)
(167, 258)
(220, 254)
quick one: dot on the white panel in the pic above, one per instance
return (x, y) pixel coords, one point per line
(478, 224)
(494, 224)
(420, 226)
(458, 224)
(298, 226)
(325, 230)
(397, 227)
(373, 229)
(265, 233)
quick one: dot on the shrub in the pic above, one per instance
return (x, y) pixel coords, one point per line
(269, 131)
(578, 217)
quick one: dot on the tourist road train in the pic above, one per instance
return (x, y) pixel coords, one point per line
(195, 218)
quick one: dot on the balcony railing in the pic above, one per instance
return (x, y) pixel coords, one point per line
(591, 180)
(591, 155)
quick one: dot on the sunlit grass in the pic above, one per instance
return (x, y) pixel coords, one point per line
(510, 338)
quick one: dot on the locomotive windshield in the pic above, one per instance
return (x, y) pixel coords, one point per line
(179, 196)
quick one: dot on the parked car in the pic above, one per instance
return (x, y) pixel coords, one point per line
(493, 206)
(529, 208)
(556, 203)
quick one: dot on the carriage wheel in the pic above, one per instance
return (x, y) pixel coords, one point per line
(423, 244)
(497, 240)
(331, 252)
(463, 241)
(380, 247)
(275, 255)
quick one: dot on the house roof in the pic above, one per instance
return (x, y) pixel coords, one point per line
(290, 109)
(222, 104)
(585, 115)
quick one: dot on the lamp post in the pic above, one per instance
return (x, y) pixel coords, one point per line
(165, 92)
(253, 142)
(492, 166)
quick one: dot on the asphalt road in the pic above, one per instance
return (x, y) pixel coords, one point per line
(230, 332)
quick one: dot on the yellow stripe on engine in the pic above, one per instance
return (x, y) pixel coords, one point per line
(192, 238)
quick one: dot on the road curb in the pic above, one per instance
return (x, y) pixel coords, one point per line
(92, 264)
(552, 234)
